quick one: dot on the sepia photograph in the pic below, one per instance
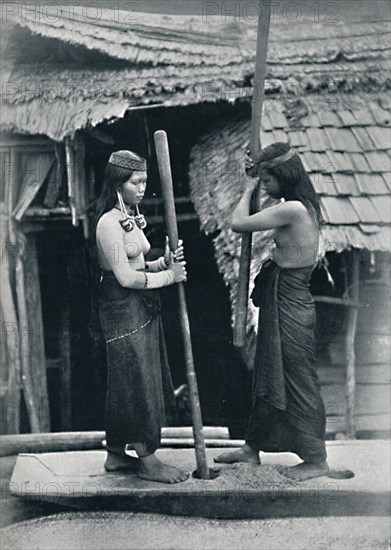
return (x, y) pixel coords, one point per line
(195, 305)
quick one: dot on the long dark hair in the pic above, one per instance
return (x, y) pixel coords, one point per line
(295, 183)
(114, 176)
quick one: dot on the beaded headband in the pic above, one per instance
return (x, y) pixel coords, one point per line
(131, 164)
(278, 160)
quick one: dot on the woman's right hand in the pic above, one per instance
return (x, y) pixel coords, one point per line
(178, 269)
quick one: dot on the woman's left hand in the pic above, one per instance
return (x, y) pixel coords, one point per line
(179, 253)
(249, 183)
(248, 161)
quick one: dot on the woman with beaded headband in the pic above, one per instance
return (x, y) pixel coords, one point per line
(139, 387)
(288, 412)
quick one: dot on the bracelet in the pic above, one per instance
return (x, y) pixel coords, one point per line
(162, 263)
(156, 265)
(171, 278)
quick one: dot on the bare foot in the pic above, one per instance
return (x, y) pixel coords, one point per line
(122, 463)
(152, 469)
(305, 470)
(244, 454)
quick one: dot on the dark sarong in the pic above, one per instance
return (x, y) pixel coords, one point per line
(288, 412)
(139, 387)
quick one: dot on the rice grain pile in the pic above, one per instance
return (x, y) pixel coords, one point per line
(254, 476)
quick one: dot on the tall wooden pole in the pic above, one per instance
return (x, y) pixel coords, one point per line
(163, 158)
(350, 352)
(255, 146)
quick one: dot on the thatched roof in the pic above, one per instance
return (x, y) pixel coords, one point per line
(190, 40)
(344, 145)
(169, 60)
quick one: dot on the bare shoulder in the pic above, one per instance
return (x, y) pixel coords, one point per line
(108, 222)
(293, 209)
(107, 219)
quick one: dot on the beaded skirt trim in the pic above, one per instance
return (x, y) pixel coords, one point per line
(129, 333)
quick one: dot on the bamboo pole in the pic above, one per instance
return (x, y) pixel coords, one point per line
(163, 158)
(189, 442)
(78, 441)
(336, 301)
(255, 145)
(350, 352)
(51, 442)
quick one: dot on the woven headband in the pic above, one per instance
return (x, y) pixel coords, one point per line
(130, 164)
(278, 160)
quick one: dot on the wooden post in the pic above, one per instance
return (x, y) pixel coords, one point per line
(9, 328)
(11, 190)
(65, 372)
(31, 335)
(10, 352)
(350, 341)
(91, 184)
(54, 184)
(70, 166)
(255, 145)
(80, 176)
(163, 158)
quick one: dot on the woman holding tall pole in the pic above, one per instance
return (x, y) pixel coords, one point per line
(139, 388)
(288, 413)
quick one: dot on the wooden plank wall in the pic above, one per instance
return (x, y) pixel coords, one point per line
(372, 362)
(22, 347)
